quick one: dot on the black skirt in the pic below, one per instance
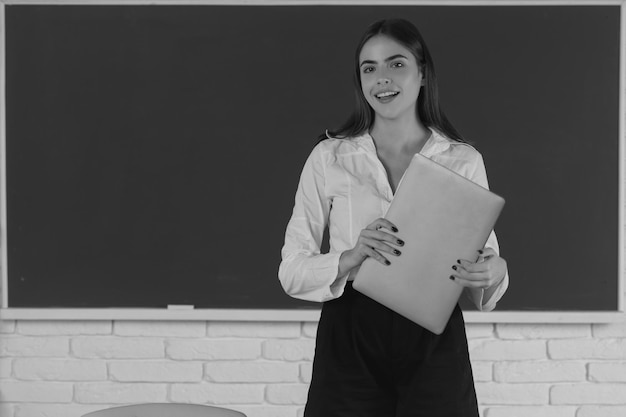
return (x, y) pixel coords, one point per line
(370, 361)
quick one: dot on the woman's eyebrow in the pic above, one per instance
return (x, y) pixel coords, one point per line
(391, 58)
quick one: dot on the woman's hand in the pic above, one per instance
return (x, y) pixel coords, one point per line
(488, 271)
(373, 242)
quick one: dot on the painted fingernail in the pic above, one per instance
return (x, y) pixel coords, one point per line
(454, 267)
(400, 242)
(451, 277)
(396, 252)
(395, 229)
(387, 263)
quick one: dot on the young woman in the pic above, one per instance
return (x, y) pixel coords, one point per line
(370, 361)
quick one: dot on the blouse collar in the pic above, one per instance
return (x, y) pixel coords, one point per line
(436, 143)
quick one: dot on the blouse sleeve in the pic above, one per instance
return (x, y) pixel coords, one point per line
(479, 176)
(304, 272)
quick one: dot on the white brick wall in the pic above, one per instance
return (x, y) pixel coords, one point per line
(66, 369)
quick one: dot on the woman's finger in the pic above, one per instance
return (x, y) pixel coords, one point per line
(471, 283)
(382, 236)
(479, 275)
(373, 253)
(487, 252)
(471, 267)
(381, 246)
(478, 279)
(382, 224)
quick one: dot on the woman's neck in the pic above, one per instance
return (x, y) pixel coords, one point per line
(399, 135)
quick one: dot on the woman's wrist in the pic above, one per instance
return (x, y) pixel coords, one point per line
(346, 264)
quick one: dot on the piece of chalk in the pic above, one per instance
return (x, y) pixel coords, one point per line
(180, 306)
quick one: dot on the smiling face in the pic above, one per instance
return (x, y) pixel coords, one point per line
(390, 78)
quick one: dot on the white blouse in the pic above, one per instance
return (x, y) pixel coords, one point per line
(344, 185)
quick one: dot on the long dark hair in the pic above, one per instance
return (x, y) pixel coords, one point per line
(428, 109)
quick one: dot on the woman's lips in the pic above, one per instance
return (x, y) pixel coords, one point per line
(386, 96)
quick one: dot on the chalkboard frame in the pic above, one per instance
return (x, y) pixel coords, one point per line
(182, 313)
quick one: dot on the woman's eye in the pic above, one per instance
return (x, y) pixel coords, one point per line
(397, 65)
(367, 70)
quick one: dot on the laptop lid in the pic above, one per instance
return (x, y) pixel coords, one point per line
(442, 216)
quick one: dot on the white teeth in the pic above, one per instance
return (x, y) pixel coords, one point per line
(386, 94)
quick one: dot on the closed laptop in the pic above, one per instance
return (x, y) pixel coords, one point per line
(442, 217)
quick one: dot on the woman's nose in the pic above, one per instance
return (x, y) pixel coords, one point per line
(383, 81)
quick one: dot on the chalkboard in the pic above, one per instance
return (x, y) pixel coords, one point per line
(153, 152)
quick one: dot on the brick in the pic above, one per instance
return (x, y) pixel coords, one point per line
(252, 372)
(54, 410)
(309, 329)
(543, 331)
(479, 330)
(512, 394)
(59, 369)
(219, 394)
(35, 392)
(207, 349)
(34, 346)
(289, 350)
(155, 371)
(118, 348)
(306, 371)
(6, 366)
(587, 349)
(603, 411)
(7, 326)
(6, 409)
(287, 394)
(540, 371)
(607, 372)
(616, 330)
(499, 350)
(119, 393)
(58, 328)
(160, 328)
(531, 411)
(483, 371)
(579, 394)
(254, 329)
